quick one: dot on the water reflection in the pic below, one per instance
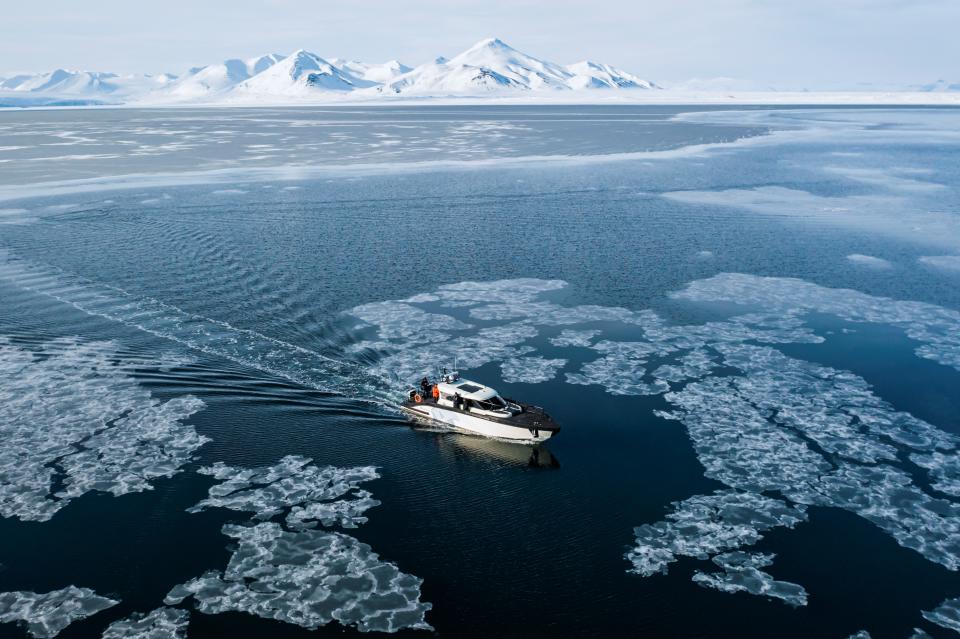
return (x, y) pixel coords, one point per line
(515, 454)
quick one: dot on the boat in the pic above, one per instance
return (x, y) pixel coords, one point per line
(474, 408)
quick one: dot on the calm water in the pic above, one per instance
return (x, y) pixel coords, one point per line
(257, 259)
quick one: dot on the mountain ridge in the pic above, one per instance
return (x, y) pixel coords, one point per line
(490, 66)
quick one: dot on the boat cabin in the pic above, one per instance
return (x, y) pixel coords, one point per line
(462, 394)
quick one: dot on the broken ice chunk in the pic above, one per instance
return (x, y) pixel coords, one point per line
(308, 578)
(741, 573)
(45, 615)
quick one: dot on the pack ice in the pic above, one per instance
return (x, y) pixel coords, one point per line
(45, 615)
(295, 572)
(72, 412)
(780, 432)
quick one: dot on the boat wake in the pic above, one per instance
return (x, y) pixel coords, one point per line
(249, 348)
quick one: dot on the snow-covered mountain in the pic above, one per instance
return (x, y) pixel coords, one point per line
(377, 73)
(488, 67)
(938, 86)
(200, 82)
(63, 82)
(495, 55)
(448, 78)
(491, 65)
(301, 74)
(595, 75)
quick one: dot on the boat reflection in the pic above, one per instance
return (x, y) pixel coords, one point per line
(531, 456)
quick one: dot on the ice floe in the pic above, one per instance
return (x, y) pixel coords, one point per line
(293, 484)
(869, 261)
(45, 615)
(162, 623)
(944, 262)
(620, 374)
(409, 362)
(572, 337)
(947, 614)
(742, 573)
(301, 574)
(692, 365)
(804, 430)
(72, 414)
(706, 525)
(531, 370)
(944, 470)
(308, 578)
(937, 328)
(398, 320)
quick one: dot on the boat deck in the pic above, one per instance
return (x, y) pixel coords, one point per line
(532, 417)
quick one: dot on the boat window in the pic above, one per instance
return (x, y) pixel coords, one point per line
(494, 403)
(469, 388)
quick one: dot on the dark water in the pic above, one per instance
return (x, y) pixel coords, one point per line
(246, 284)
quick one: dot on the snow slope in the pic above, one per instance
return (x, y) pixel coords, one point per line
(377, 73)
(595, 75)
(301, 74)
(201, 82)
(91, 84)
(490, 67)
(525, 70)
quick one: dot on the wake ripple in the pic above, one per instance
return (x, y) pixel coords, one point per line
(246, 347)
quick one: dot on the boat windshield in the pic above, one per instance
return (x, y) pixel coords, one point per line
(494, 403)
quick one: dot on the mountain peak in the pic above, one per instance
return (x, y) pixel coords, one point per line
(490, 65)
(491, 43)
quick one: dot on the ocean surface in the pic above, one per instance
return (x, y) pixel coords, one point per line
(746, 321)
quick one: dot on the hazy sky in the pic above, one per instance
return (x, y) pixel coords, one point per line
(789, 43)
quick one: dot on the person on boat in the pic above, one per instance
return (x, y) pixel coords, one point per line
(436, 392)
(457, 400)
(424, 387)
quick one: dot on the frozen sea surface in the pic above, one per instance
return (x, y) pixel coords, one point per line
(746, 321)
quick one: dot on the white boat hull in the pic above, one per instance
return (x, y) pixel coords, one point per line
(476, 425)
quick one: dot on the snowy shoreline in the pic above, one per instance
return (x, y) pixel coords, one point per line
(490, 72)
(658, 98)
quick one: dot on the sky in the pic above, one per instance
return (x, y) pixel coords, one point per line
(780, 43)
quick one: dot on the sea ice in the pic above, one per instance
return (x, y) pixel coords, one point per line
(72, 413)
(490, 344)
(45, 615)
(944, 469)
(572, 337)
(530, 370)
(398, 320)
(293, 483)
(945, 262)
(869, 261)
(619, 376)
(706, 525)
(692, 365)
(936, 327)
(772, 430)
(308, 578)
(741, 573)
(162, 623)
(947, 615)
